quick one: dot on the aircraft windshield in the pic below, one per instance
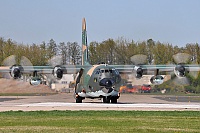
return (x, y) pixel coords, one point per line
(107, 71)
(112, 71)
(102, 70)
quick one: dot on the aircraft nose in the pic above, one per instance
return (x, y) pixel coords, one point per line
(106, 82)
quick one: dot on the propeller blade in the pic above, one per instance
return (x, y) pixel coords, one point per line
(10, 61)
(181, 81)
(55, 60)
(194, 74)
(25, 61)
(139, 59)
(182, 58)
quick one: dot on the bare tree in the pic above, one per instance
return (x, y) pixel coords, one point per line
(74, 52)
(63, 51)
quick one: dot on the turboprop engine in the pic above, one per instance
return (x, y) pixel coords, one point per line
(15, 71)
(57, 72)
(180, 71)
(139, 72)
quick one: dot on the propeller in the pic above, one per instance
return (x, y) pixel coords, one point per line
(16, 66)
(138, 60)
(181, 69)
(138, 72)
(55, 62)
(58, 69)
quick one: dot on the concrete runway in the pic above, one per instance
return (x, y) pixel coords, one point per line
(65, 101)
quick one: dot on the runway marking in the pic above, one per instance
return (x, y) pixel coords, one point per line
(96, 105)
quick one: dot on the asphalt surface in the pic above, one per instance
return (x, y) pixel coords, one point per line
(180, 98)
(65, 101)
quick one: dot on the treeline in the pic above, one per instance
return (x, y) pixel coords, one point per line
(120, 51)
(109, 51)
(39, 54)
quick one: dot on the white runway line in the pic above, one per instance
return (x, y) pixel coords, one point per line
(95, 105)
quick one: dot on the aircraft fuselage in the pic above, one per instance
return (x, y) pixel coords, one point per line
(98, 81)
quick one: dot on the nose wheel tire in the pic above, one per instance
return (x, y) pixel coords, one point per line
(106, 99)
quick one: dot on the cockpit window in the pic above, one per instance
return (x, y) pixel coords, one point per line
(102, 70)
(106, 71)
(111, 71)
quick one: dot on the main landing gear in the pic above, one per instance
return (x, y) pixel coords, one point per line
(78, 99)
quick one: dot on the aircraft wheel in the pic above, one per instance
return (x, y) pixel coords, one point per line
(113, 99)
(79, 100)
(106, 99)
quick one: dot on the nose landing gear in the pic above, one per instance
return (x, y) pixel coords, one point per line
(108, 99)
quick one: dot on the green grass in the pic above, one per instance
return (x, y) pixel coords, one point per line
(100, 121)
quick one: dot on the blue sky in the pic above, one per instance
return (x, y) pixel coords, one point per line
(32, 21)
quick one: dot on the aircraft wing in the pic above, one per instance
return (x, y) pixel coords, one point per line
(15, 71)
(139, 70)
(27, 69)
(67, 69)
(73, 69)
(5, 69)
(132, 68)
(165, 68)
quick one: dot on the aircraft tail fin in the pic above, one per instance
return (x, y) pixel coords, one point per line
(85, 59)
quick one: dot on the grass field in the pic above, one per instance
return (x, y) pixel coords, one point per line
(100, 121)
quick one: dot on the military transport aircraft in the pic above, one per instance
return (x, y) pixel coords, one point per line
(96, 81)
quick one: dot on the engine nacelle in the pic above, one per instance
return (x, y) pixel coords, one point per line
(15, 72)
(180, 71)
(157, 80)
(35, 81)
(139, 72)
(57, 72)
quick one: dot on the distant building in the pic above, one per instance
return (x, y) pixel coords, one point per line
(64, 83)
